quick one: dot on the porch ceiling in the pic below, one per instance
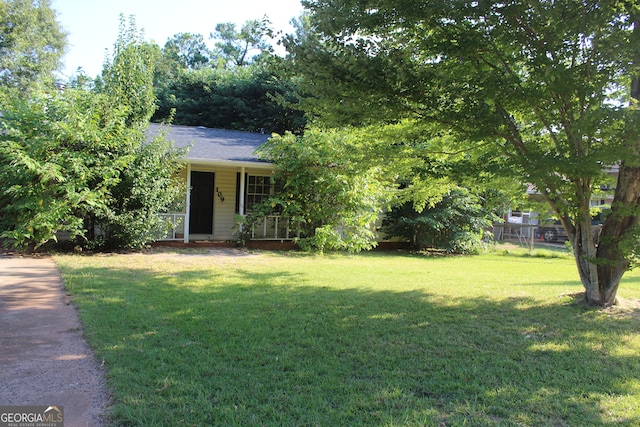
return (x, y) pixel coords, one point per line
(197, 163)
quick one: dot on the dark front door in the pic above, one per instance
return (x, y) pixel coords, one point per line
(201, 217)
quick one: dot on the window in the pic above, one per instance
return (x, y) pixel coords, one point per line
(258, 189)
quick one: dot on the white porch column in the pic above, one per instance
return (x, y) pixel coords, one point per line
(188, 205)
(242, 196)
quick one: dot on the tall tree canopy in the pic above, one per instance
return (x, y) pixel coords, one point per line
(245, 98)
(187, 50)
(242, 85)
(549, 87)
(128, 75)
(236, 47)
(31, 42)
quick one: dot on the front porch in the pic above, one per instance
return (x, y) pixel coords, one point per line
(271, 228)
(223, 178)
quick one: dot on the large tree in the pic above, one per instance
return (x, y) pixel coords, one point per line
(552, 87)
(243, 98)
(241, 47)
(187, 50)
(78, 163)
(244, 86)
(32, 42)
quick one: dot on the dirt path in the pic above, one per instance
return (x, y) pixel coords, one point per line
(44, 359)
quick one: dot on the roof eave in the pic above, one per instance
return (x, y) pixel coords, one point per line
(230, 163)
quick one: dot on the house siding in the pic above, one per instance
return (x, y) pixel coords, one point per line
(224, 210)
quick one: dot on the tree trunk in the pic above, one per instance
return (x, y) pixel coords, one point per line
(610, 262)
(584, 251)
(602, 267)
(90, 228)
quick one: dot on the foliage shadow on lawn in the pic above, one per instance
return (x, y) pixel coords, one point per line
(265, 349)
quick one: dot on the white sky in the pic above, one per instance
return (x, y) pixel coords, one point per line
(92, 25)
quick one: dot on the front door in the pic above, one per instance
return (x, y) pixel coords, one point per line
(201, 216)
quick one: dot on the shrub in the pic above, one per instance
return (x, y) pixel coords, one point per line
(455, 224)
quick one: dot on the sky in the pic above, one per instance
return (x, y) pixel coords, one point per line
(92, 25)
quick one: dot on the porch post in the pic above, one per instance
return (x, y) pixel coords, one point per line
(242, 196)
(188, 205)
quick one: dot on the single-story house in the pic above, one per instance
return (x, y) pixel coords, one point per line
(224, 178)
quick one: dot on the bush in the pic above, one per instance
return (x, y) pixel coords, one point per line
(334, 198)
(456, 224)
(77, 162)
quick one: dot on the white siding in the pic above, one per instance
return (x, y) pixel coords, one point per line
(224, 211)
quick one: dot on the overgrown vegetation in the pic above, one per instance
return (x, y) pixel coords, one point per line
(239, 85)
(331, 195)
(457, 223)
(246, 99)
(370, 339)
(32, 43)
(77, 163)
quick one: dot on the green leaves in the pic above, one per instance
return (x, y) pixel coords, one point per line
(31, 43)
(235, 46)
(245, 98)
(334, 197)
(456, 223)
(53, 173)
(536, 75)
(128, 77)
(187, 50)
(77, 164)
(148, 186)
(550, 88)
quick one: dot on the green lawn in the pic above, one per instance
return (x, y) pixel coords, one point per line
(286, 339)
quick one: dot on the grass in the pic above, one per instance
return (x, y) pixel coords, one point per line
(284, 339)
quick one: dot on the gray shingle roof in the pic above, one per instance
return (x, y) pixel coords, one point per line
(210, 145)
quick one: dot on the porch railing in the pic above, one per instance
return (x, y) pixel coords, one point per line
(176, 229)
(273, 227)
